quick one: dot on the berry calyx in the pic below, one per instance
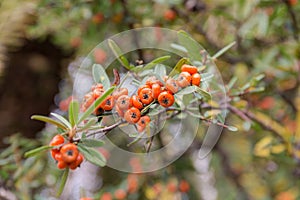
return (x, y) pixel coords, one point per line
(132, 115)
(166, 99)
(69, 152)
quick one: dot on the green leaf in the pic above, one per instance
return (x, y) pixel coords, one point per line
(118, 53)
(100, 76)
(63, 181)
(177, 68)
(160, 70)
(232, 128)
(179, 47)
(92, 155)
(33, 152)
(223, 50)
(203, 93)
(190, 44)
(49, 120)
(206, 76)
(187, 90)
(151, 64)
(231, 83)
(73, 112)
(90, 123)
(88, 142)
(62, 119)
(96, 103)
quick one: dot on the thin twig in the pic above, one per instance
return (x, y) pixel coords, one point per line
(293, 19)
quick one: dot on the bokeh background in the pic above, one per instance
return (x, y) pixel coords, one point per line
(42, 42)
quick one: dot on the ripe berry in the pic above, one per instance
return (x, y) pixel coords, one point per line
(61, 164)
(123, 102)
(77, 162)
(119, 111)
(88, 100)
(152, 80)
(184, 79)
(170, 15)
(96, 86)
(120, 194)
(172, 187)
(97, 93)
(69, 152)
(107, 104)
(184, 186)
(145, 96)
(196, 79)
(57, 140)
(171, 85)
(54, 153)
(119, 92)
(155, 90)
(189, 68)
(136, 102)
(166, 99)
(141, 88)
(106, 196)
(132, 115)
(142, 123)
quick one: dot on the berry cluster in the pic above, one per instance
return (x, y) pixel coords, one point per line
(129, 108)
(66, 154)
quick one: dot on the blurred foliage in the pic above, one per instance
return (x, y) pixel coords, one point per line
(261, 160)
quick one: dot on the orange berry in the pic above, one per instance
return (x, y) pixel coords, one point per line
(132, 115)
(120, 194)
(100, 56)
(152, 80)
(119, 92)
(145, 96)
(64, 104)
(142, 123)
(132, 183)
(54, 153)
(184, 186)
(172, 187)
(123, 102)
(106, 196)
(77, 162)
(86, 198)
(189, 68)
(184, 79)
(88, 100)
(98, 18)
(136, 102)
(97, 86)
(142, 87)
(196, 79)
(293, 2)
(61, 164)
(75, 42)
(155, 90)
(57, 140)
(107, 104)
(172, 86)
(69, 152)
(166, 99)
(170, 15)
(119, 111)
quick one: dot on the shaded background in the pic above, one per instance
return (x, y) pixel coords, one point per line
(40, 39)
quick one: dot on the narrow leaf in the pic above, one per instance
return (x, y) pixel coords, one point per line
(118, 53)
(62, 119)
(73, 112)
(96, 103)
(232, 128)
(33, 152)
(179, 47)
(177, 67)
(190, 44)
(63, 181)
(49, 120)
(160, 70)
(92, 142)
(223, 50)
(90, 123)
(152, 64)
(203, 93)
(92, 155)
(187, 90)
(100, 76)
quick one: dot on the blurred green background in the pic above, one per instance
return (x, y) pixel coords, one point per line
(42, 40)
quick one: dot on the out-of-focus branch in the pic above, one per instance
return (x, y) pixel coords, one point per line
(293, 19)
(231, 173)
